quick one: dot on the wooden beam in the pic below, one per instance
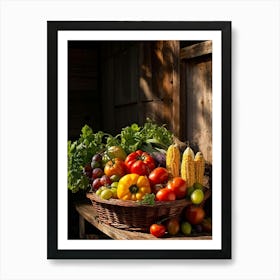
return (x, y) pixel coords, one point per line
(196, 50)
(176, 89)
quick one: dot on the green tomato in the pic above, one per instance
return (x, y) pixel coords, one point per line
(116, 152)
(115, 178)
(197, 196)
(186, 228)
(98, 192)
(114, 184)
(106, 194)
(114, 192)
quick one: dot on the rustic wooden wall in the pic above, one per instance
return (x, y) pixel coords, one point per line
(196, 96)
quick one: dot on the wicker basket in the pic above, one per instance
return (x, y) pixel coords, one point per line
(131, 215)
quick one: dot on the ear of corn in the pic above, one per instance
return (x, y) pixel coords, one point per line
(199, 164)
(173, 159)
(187, 166)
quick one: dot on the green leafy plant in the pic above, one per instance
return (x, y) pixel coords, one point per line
(146, 137)
(149, 199)
(80, 153)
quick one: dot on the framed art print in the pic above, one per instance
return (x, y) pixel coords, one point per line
(139, 140)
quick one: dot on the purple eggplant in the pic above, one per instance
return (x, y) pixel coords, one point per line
(160, 158)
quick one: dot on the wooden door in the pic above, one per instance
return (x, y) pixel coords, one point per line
(196, 97)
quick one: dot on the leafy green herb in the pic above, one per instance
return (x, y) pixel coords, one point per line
(151, 135)
(148, 198)
(80, 153)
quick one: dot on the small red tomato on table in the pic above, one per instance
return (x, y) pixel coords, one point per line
(173, 226)
(157, 230)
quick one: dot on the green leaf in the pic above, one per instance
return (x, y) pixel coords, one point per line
(148, 198)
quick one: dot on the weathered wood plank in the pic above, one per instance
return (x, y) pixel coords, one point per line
(165, 81)
(182, 107)
(175, 117)
(199, 105)
(196, 50)
(88, 213)
(151, 110)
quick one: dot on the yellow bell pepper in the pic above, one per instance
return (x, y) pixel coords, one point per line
(133, 187)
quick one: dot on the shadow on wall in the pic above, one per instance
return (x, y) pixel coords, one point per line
(158, 70)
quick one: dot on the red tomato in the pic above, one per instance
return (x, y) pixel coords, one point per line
(194, 214)
(173, 226)
(158, 176)
(157, 230)
(165, 195)
(139, 167)
(115, 167)
(178, 186)
(140, 162)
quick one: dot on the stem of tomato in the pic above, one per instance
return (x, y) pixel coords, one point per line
(163, 220)
(140, 158)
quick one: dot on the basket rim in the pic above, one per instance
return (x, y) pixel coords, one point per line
(129, 203)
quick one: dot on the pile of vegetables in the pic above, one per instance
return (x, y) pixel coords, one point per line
(150, 137)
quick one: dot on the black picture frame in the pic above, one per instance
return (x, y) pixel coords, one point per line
(53, 27)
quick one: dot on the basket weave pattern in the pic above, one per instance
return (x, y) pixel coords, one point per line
(131, 215)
